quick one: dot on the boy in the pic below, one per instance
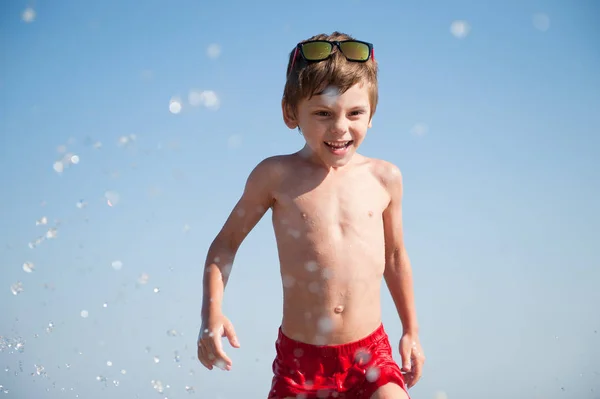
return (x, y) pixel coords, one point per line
(337, 218)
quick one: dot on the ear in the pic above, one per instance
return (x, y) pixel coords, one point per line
(289, 116)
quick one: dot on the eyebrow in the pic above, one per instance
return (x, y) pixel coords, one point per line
(363, 107)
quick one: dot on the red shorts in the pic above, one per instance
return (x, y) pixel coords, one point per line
(349, 371)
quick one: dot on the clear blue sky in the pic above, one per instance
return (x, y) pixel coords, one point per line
(500, 186)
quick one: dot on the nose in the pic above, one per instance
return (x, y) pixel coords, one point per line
(339, 125)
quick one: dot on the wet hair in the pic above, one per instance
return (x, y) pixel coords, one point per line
(312, 78)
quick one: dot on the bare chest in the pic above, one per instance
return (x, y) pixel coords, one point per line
(342, 205)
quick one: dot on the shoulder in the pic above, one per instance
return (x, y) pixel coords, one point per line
(387, 173)
(271, 169)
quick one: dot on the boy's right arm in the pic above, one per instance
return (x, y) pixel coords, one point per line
(256, 199)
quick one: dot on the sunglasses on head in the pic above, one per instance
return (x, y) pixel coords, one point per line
(320, 50)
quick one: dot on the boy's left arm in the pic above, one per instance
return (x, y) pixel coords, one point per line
(398, 277)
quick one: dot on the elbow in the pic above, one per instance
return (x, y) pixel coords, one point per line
(221, 254)
(397, 262)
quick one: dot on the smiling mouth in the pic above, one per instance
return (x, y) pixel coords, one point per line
(337, 145)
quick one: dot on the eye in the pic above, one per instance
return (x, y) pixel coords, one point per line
(322, 113)
(357, 112)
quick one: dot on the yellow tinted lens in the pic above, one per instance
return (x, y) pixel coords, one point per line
(355, 51)
(316, 51)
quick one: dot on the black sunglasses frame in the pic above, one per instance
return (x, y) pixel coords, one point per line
(334, 43)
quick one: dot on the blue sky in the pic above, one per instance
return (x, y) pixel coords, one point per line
(495, 130)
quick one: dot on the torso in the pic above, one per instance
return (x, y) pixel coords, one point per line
(329, 232)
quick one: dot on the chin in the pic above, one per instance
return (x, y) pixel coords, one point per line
(337, 162)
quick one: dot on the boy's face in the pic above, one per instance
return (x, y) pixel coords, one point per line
(333, 124)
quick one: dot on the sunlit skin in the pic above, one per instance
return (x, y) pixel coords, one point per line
(337, 218)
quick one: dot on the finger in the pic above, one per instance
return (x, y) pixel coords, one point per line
(405, 354)
(215, 347)
(407, 377)
(417, 368)
(203, 357)
(231, 335)
(415, 374)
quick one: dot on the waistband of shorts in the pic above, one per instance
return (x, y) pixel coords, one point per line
(288, 344)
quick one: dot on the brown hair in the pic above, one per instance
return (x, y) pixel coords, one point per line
(310, 78)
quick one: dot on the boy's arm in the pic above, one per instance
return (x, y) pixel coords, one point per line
(398, 277)
(256, 199)
(398, 271)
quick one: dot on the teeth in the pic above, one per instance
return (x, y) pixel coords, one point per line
(337, 145)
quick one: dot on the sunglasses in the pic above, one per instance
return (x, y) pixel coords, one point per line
(320, 50)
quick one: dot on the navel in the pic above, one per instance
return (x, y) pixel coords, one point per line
(370, 213)
(338, 309)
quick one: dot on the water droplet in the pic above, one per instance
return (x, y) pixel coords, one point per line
(84, 314)
(220, 364)
(157, 385)
(52, 233)
(441, 395)
(58, 167)
(327, 274)
(331, 94)
(105, 305)
(325, 324)
(234, 141)
(28, 15)
(39, 370)
(175, 106)
(419, 129)
(189, 389)
(123, 371)
(541, 22)
(207, 98)
(460, 29)
(213, 51)
(16, 288)
(41, 221)
(362, 356)
(156, 290)
(28, 267)
(311, 266)
(125, 140)
(172, 333)
(143, 279)
(74, 159)
(117, 265)
(314, 287)
(373, 374)
(156, 359)
(112, 198)
(109, 363)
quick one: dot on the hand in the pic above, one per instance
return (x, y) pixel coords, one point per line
(412, 358)
(210, 347)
